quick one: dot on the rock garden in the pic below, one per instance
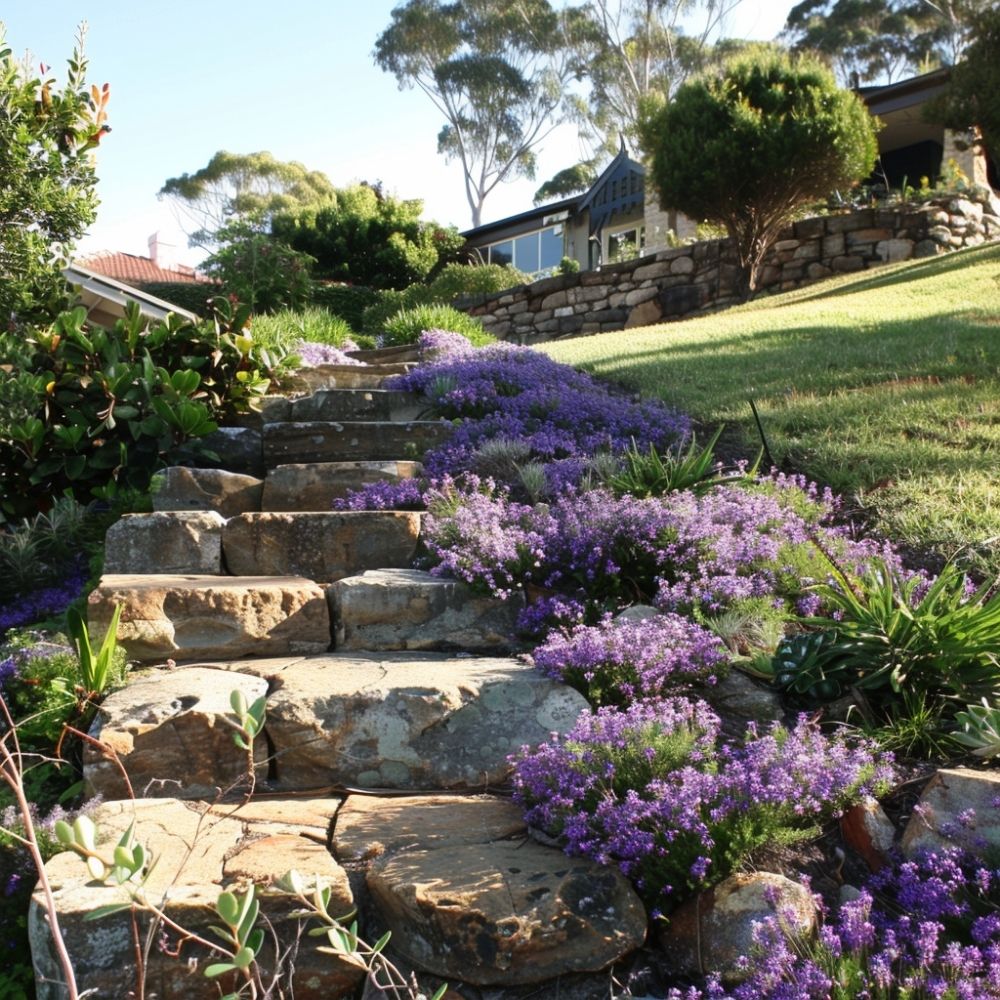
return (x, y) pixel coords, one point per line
(453, 669)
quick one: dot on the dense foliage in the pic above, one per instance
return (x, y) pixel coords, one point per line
(363, 236)
(99, 409)
(747, 147)
(47, 193)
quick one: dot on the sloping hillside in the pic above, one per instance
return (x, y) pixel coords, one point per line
(884, 385)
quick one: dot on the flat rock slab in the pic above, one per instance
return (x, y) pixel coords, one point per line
(185, 542)
(317, 545)
(171, 731)
(959, 805)
(388, 609)
(236, 449)
(357, 404)
(354, 441)
(198, 854)
(368, 826)
(198, 617)
(229, 493)
(505, 914)
(409, 720)
(361, 376)
(315, 486)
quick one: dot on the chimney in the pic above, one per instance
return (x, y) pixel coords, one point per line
(161, 253)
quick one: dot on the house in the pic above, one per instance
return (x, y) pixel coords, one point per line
(603, 224)
(159, 267)
(619, 218)
(105, 298)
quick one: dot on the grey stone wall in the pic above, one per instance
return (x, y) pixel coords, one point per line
(703, 276)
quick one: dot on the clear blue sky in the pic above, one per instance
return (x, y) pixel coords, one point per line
(289, 76)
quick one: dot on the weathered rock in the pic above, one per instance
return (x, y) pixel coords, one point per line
(645, 314)
(317, 441)
(959, 805)
(637, 613)
(318, 377)
(170, 730)
(316, 486)
(868, 830)
(320, 546)
(191, 617)
(739, 700)
(505, 914)
(970, 209)
(713, 931)
(410, 609)
(894, 250)
(165, 542)
(409, 720)
(368, 826)
(847, 263)
(357, 404)
(872, 235)
(229, 493)
(927, 248)
(197, 856)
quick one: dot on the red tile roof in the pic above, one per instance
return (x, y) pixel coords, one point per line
(133, 270)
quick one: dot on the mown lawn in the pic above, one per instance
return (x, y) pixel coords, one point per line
(885, 385)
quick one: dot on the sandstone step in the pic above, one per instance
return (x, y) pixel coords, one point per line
(387, 609)
(175, 542)
(229, 493)
(355, 404)
(350, 441)
(387, 355)
(319, 545)
(314, 486)
(391, 720)
(188, 617)
(361, 376)
(199, 852)
(466, 896)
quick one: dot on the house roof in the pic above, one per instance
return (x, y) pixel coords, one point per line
(134, 270)
(905, 93)
(532, 215)
(106, 297)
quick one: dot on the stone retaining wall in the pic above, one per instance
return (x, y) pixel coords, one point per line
(703, 276)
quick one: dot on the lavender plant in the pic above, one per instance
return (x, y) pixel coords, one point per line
(652, 789)
(617, 662)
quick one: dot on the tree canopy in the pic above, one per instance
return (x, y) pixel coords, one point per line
(748, 147)
(248, 188)
(47, 176)
(496, 70)
(973, 97)
(363, 236)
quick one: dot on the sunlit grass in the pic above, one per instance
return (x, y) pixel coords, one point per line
(884, 385)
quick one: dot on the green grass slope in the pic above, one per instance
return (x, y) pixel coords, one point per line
(884, 385)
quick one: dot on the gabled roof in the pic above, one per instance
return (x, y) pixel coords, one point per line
(134, 270)
(905, 93)
(106, 298)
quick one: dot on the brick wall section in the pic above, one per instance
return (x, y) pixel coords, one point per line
(702, 276)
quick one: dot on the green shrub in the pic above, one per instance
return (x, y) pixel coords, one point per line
(390, 302)
(194, 296)
(456, 280)
(283, 330)
(568, 266)
(108, 406)
(347, 301)
(407, 325)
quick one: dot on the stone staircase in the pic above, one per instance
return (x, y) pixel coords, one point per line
(393, 702)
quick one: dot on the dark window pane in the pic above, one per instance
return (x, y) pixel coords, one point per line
(526, 253)
(502, 253)
(552, 248)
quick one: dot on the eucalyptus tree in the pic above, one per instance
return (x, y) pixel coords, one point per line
(243, 189)
(496, 70)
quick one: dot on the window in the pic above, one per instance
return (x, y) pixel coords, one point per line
(626, 244)
(534, 253)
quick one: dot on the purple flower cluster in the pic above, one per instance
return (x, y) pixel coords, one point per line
(649, 789)
(399, 494)
(618, 661)
(682, 552)
(311, 354)
(929, 927)
(43, 603)
(504, 391)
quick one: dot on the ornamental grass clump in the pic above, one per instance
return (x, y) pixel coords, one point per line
(617, 662)
(652, 790)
